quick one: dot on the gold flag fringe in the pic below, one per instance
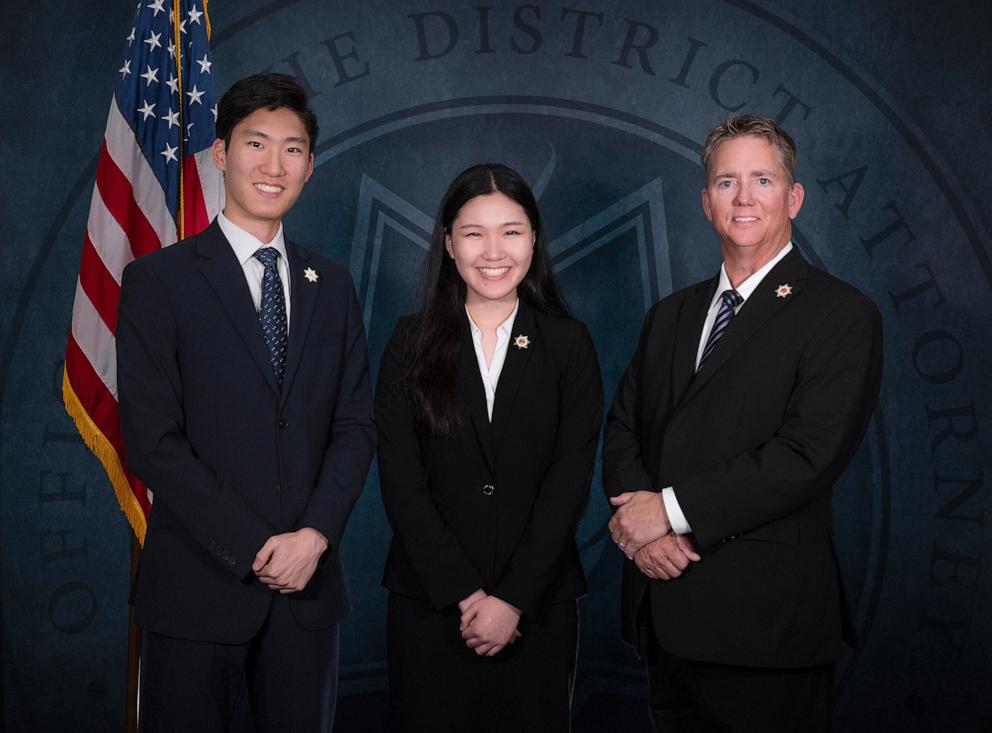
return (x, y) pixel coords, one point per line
(97, 442)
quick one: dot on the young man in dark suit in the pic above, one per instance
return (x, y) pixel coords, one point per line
(745, 400)
(246, 407)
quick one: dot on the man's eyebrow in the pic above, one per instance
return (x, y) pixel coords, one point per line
(760, 173)
(258, 133)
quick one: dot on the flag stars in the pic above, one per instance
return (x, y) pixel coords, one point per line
(194, 16)
(170, 153)
(157, 7)
(172, 118)
(125, 69)
(150, 75)
(130, 38)
(172, 49)
(173, 84)
(153, 40)
(194, 95)
(148, 110)
(205, 64)
(213, 111)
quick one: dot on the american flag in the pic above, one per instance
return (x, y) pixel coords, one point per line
(155, 184)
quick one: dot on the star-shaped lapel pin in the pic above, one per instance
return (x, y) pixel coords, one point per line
(311, 275)
(783, 291)
(521, 342)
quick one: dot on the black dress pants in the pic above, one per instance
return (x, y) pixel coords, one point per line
(687, 696)
(290, 674)
(438, 684)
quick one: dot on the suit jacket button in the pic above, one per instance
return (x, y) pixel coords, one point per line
(283, 423)
(488, 489)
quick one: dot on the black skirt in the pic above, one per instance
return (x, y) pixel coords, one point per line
(438, 684)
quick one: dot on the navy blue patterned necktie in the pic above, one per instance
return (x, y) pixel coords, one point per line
(272, 311)
(731, 299)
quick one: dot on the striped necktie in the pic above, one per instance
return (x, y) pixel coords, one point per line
(731, 299)
(272, 311)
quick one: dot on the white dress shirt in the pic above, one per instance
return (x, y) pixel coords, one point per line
(680, 525)
(245, 245)
(490, 374)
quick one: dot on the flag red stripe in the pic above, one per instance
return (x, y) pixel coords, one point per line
(115, 190)
(195, 217)
(99, 285)
(102, 408)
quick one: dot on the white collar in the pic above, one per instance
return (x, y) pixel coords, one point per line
(244, 244)
(752, 282)
(503, 329)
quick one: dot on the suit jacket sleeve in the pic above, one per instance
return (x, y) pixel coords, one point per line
(150, 395)
(623, 457)
(828, 409)
(352, 436)
(556, 513)
(441, 564)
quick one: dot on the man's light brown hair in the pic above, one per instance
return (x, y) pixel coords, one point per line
(748, 125)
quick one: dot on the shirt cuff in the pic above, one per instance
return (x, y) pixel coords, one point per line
(680, 525)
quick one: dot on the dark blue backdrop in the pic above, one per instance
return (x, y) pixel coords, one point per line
(603, 106)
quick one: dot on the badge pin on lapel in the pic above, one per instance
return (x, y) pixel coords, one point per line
(521, 342)
(311, 275)
(783, 291)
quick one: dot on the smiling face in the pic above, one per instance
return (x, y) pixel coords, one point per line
(750, 200)
(265, 166)
(491, 242)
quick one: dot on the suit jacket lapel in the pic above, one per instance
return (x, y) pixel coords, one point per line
(517, 359)
(303, 296)
(474, 392)
(691, 322)
(762, 305)
(222, 270)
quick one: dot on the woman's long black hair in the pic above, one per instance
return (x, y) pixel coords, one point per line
(435, 338)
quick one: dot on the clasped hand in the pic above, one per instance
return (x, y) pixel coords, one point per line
(666, 558)
(641, 529)
(640, 519)
(287, 561)
(488, 623)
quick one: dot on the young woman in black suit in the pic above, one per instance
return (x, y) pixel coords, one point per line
(488, 407)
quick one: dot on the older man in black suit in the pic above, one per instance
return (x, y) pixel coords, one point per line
(246, 407)
(745, 400)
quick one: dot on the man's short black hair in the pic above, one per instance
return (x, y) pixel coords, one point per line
(264, 91)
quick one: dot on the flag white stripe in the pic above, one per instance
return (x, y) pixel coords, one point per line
(108, 238)
(212, 183)
(95, 340)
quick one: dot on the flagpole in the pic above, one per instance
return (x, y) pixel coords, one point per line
(133, 652)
